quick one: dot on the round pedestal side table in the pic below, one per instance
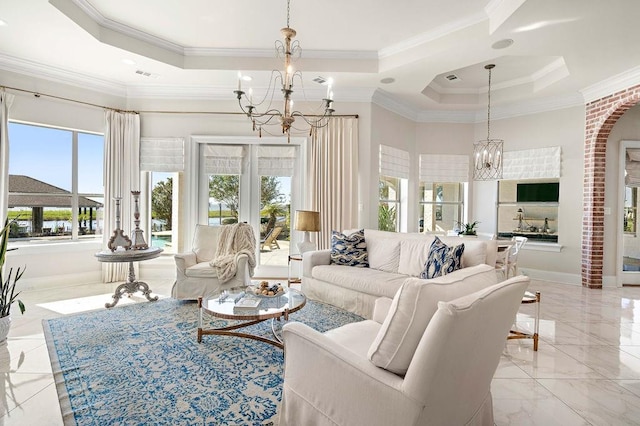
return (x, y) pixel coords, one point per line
(132, 285)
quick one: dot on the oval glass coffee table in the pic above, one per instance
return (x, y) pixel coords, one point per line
(273, 308)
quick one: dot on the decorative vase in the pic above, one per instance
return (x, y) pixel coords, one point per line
(5, 325)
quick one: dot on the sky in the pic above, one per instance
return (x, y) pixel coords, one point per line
(44, 153)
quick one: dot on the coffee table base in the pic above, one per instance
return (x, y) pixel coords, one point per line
(228, 331)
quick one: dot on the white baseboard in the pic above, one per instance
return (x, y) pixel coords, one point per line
(58, 281)
(563, 278)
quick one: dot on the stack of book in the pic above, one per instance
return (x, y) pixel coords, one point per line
(246, 304)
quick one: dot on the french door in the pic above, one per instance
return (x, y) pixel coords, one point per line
(257, 181)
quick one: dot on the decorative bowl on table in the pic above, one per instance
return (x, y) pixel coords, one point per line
(264, 289)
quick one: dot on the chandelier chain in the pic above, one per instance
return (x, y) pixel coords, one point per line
(288, 9)
(489, 108)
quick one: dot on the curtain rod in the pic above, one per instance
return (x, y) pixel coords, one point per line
(39, 94)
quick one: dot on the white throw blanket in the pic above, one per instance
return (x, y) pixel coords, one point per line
(235, 240)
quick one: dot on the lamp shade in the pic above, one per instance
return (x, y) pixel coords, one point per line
(307, 220)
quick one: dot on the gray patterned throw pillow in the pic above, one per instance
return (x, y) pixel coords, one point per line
(442, 259)
(349, 250)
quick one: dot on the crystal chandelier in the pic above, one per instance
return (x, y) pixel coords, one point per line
(287, 49)
(487, 153)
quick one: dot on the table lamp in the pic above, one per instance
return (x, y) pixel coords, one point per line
(307, 221)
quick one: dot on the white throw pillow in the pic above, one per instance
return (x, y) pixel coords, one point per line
(383, 249)
(402, 329)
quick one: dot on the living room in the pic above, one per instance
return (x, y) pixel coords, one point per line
(525, 112)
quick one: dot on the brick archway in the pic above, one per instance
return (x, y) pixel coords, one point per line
(601, 115)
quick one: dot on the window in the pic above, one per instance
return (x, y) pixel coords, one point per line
(389, 204)
(630, 209)
(536, 220)
(394, 180)
(441, 206)
(42, 178)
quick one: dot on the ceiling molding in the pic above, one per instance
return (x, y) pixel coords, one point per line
(94, 14)
(612, 85)
(268, 53)
(59, 75)
(499, 11)
(388, 102)
(432, 35)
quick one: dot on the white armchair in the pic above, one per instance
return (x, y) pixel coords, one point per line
(195, 276)
(329, 379)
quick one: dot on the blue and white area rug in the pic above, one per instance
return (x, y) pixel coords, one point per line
(141, 364)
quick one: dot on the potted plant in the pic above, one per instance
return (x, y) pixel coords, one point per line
(8, 293)
(468, 228)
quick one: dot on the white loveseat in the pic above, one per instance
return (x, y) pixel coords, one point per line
(449, 359)
(393, 257)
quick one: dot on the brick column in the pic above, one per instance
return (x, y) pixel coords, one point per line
(601, 115)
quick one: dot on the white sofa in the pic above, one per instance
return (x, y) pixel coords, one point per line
(393, 257)
(349, 375)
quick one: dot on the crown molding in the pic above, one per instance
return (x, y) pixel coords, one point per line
(388, 102)
(94, 14)
(60, 75)
(366, 94)
(612, 85)
(432, 35)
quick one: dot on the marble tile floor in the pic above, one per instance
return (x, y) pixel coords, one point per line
(586, 371)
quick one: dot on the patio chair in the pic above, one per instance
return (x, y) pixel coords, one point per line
(271, 239)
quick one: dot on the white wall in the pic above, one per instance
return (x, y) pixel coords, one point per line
(377, 126)
(392, 130)
(564, 128)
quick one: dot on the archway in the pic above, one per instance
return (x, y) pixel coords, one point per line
(601, 115)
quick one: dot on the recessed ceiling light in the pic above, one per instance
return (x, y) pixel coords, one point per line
(3, 23)
(502, 44)
(129, 61)
(246, 78)
(387, 80)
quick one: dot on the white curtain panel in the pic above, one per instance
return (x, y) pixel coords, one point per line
(536, 163)
(6, 99)
(162, 154)
(121, 176)
(444, 168)
(332, 177)
(394, 162)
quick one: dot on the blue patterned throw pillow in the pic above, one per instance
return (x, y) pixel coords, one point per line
(349, 250)
(442, 259)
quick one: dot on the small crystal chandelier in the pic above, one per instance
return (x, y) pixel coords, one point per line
(288, 49)
(487, 153)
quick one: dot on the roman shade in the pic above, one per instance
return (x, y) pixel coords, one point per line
(276, 160)
(536, 163)
(223, 159)
(394, 162)
(161, 154)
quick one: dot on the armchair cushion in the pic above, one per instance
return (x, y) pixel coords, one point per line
(205, 242)
(442, 259)
(411, 310)
(349, 250)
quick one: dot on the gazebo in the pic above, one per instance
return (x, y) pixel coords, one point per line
(25, 191)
